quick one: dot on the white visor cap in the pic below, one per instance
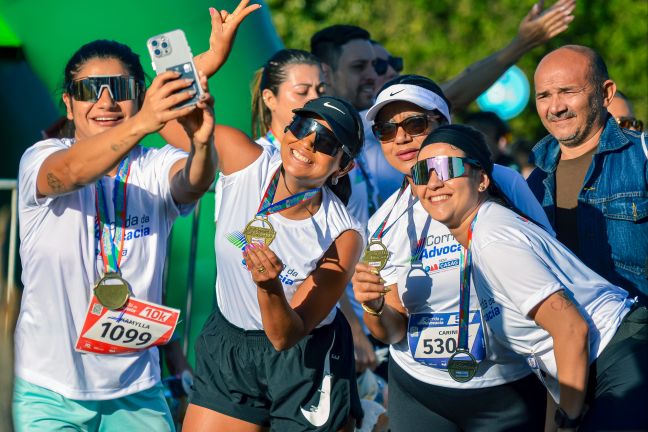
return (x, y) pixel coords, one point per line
(420, 96)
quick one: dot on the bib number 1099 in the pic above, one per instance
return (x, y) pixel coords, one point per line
(136, 327)
(118, 332)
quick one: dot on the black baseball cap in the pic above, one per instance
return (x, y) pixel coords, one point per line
(343, 119)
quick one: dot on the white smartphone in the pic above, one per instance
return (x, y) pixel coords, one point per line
(170, 51)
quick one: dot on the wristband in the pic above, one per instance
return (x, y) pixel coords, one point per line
(372, 311)
(564, 421)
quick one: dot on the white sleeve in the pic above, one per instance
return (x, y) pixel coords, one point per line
(514, 269)
(516, 189)
(30, 165)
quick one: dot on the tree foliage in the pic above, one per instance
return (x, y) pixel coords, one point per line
(439, 38)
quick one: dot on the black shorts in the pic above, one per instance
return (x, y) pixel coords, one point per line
(309, 387)
(617, 392)
(417, 406)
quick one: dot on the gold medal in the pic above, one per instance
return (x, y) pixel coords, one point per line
(259, 230)
(112, 291)
(376, 254)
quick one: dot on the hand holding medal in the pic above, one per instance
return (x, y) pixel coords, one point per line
(369, 288)
(264, 265)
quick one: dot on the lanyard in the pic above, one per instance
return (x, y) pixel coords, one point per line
(465, 263)
(371, 204)
(381, 230)
(112, 244)
(273, 139)
(266, 207)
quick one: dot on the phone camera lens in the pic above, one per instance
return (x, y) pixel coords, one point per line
(164, 45)
(154, 43)
(157, 52)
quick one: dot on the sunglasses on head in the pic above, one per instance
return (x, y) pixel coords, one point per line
(325, 141)
(630, 123)
(445, 167)
(381, 65)
(120, 87)
(413, 126)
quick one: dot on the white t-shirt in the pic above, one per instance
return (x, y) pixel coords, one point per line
(299, 244)
(516, 265)
(59, 252)
(434, 287)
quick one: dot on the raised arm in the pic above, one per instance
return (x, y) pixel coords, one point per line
(191, 177)
(536, 28)
(90, 158)
(286, 323)
(224, 26)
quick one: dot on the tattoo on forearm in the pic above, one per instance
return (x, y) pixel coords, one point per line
(54, 182)
(114, 147)
(562, 302)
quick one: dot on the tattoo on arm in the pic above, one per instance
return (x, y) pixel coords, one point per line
(114, 147)
(562, 302)
(53, 182)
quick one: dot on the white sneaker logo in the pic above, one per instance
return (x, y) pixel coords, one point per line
(328, 105)
(318, 414)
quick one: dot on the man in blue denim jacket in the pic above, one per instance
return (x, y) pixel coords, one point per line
(591, 175)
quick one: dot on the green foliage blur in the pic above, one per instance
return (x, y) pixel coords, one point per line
(440, 38)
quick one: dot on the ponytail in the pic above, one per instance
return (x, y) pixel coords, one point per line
(261, 116)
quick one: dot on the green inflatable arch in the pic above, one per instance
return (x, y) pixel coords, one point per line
(37, 37)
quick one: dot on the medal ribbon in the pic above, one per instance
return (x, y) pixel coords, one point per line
(266, 207)
(112, 244)
(381, 231)
(272, 138)
(465, 263)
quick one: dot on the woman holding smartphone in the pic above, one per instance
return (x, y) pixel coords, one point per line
(412, 302)
(96, 210)
(583, 337)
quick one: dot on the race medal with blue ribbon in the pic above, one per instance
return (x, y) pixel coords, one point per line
(259, 230)
(432, 337)
(462, 365)
(112, 291)
(375, 253)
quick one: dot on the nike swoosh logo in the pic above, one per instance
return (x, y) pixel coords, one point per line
(396, 92)
(328, 105)
(318, 414)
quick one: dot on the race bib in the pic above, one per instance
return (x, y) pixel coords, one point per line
(432, 337)
(138, 326)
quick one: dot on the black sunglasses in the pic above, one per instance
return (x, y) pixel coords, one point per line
(414, 125)
(325, 141)
(381, 65)
(445, 167)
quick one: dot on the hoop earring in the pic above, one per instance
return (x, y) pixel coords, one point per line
(334, 180)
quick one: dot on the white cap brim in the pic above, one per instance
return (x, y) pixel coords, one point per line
(419, 96)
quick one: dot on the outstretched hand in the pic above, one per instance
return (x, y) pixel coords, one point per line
(223, 31)
(539, 25)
